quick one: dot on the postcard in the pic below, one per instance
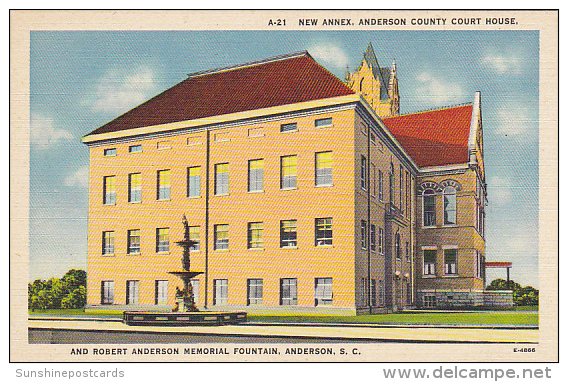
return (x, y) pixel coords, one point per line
(284, 186)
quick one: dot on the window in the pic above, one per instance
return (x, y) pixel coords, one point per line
(397, 248)
(407, 252)
(255, 231)
(324, 168)
(324, 231)
(391, 184)
(135, 149)
(381, 293)
(449, 205)
(323, 291)
(108, 243)
(222, 179)
(288, 291)
(163, 240)
(222, 137)
(381, 240)
(195, 286)
(256, 132)
(164, 145)
(364, 292)
(428, 208)
(133, 240)
(478, 265)
(373, 237)
(429, 259)
(288, 233)
(194, 236)
(221, 287)
(109, 152)
(161, 292)
(163, 185)
(109, 190)
(363, 172)
(451, 261)
(401, 189)
(287, 127)
(363, 234)
(254, 291)
(194, 182)
(380, 185)
(288, 166)
(373, 180)
(221, 236)
(373, 292)
(323, 122)
(255, 175)
(193, 141)
(107, 292)
(135, 188)
(132, 292)
(429, 301)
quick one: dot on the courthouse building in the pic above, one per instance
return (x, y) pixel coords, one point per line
(302, 192)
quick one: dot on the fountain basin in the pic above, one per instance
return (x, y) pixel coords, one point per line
(141, 318)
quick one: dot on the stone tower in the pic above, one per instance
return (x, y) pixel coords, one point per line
(378, 85)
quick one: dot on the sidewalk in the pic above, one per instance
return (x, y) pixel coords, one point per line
(347, 332)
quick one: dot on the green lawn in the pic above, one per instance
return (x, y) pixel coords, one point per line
(522, 317)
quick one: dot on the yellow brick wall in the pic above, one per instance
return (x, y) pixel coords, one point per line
(238, 208)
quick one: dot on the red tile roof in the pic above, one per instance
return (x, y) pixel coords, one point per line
(280, 81)
(436, 137)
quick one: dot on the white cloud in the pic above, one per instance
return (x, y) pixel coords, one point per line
(43, 133)
(119, 90)
(499, 190)
(437, 91)
(503, 64)
(513, 120)
(330, 54)
(80, 178)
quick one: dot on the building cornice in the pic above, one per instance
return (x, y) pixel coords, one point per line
(196, 124)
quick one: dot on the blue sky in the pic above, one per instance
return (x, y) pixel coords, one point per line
(81, 80)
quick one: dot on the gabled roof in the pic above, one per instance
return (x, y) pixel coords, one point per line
(436, 137)
(273, 82)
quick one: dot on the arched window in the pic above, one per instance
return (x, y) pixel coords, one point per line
(397, 249)
(361, 85)
(428, 208)
(450, 216)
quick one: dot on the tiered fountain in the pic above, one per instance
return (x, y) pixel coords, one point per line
(185, 311)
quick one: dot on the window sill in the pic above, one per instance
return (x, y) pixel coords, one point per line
(256, 249)
(138, 202)
(323, 185)
(222, 195)
(428, 276)
(162, 253)
(163, 200)
(289, 247)
(452, 276)
(289, 132)
(109, 205)
(221, 250)
(134, 254)
(429, 227)
(256, 192)
(194, 197)
(324, 127)
(288, 189)
(449, 225)
(108, 255)
(325, 246)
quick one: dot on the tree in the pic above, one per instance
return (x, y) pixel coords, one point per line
(68, 292)
(522, 296)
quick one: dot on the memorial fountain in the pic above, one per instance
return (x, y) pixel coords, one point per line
(185, 311)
